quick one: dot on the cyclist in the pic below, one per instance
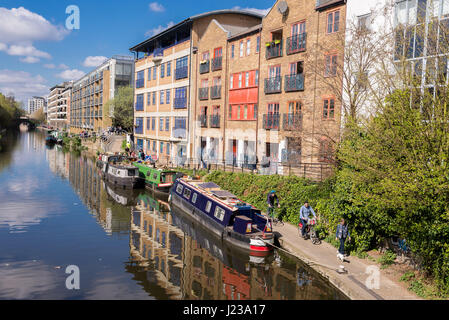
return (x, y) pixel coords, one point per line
(272, 199)
(304, 214)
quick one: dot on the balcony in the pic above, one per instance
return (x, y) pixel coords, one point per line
(181, 73)
(274, 49)
(203, 93)
(204, 67)
(273, 85)
(292, 122)
(180, 103)
(294, 82)
(215, 92)
(217, 63)
(179, 133)
(140, 83)
(296, 43)
(214, 121)
(271, 121)
(202, 119)
(158, 55)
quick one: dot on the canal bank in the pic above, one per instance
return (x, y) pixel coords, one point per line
(353, 283)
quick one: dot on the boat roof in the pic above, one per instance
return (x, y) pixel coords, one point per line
(213, 190)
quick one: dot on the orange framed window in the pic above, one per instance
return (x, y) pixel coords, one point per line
(329, 108)
(333, 22)
(330, 65)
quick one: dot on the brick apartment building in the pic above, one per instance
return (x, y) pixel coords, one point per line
(166, 76)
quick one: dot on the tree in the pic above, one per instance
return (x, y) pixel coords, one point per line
(122, 107)
(38, 116)
(10, 111)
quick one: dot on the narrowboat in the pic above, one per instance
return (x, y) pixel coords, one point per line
(158, 180)
(221, 212)
(119, 173)
(51, 139)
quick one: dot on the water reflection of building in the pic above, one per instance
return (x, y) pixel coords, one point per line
(186, 262)
(58, 162)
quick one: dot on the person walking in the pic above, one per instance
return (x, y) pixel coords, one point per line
(272, 200)
(304, 214)
(341, 235)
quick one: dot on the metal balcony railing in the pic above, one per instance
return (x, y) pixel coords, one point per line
(180, 103)
(217, 63)
(274, 50)
(294, 82)
(271, 121)
(215, 92)
(273, 85)
(203, 93)
(181, 73)
(292, 122)
(205, 67)
(202, 120)
(214, 121)
(297, 43)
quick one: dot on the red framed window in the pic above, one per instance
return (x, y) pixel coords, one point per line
(333, 21)
(298, 28)
(330, 67)
(328, 108)
(218, 52)
(205, 55)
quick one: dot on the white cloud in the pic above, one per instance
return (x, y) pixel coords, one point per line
(22, 84)
(156, 7)
(158, 29)
(53, 66)
(94, 61)
(27, 51)
(19, 25)
(263, 12)
(30, 60)
(73, 74)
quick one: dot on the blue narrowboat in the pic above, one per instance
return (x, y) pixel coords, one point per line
(221, 212)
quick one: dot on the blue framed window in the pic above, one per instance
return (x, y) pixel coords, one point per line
(140, 143)
(149, 73)
(167, 96)
(139, 126)
(154, 73)
(161, 124)
(167, 124)
(154, 98)
(182, 68)
(154, 145)
(148, 123)
(140, 81)
(163, 70)
(168, 148)
(148, 99)
(232, 51)
(153, 123)
(180, 98)
(169, 69)
(139, 102)
(162, 99)
(161, 150)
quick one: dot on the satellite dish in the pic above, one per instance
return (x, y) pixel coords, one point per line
(282, 7)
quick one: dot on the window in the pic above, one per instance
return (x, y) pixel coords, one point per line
(161, 124)
(194, 197)
(232, 51)
(245, 114)
(257, 77)
(167, 124)
(154, 73)
(163, 70)
(148, 123)
(161, 149)
(248, 47)
(247, 79)
(153, 123)
(331, 65)
(154, 149)
(241, 48)
(168, 149)
(258, 45)
(230, 112)
(149, 74)
(154, 98)
(333, 21)
(240, 80)
(139, 102)
(329, 108)
(148, 98)
(364, 22)
(179, 188)
(208, 206)
(169, 69)
(219, 213)
(162, 99)
(232, 82)
(187, 193)
(167, 96)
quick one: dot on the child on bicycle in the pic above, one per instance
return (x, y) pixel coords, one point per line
(304, 214)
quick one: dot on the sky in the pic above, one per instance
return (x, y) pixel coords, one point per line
(38, 50)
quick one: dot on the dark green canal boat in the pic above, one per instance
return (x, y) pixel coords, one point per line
(158, 180)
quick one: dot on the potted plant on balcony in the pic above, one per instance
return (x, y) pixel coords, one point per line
(203, 61)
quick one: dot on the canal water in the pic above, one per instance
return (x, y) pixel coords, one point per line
(55, 212)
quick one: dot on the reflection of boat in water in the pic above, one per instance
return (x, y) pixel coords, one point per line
(126, 197)
(116, 170)
(230, 219)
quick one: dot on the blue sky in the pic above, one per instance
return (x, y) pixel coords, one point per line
(37, 51)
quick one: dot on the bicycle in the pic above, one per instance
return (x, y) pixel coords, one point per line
(310, 231)
(273, 218)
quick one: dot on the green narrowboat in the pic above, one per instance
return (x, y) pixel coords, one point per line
(158, 180)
